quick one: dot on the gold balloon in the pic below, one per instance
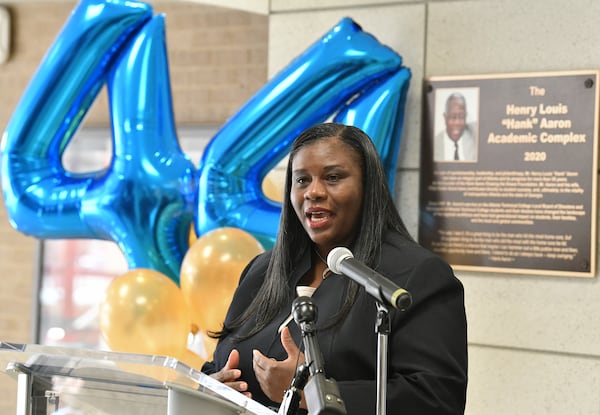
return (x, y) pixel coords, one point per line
(272, 186)
(192, 359)
(192, 235)
(210, 271)
(144, 312)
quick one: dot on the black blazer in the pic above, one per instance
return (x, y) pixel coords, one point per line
(427, 350)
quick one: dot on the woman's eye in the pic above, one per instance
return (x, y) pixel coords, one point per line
(333, 178)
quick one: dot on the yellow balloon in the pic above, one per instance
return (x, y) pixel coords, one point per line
(192, 359)
(272, 186)
(210, 271)
(144, 312)
(192, 235)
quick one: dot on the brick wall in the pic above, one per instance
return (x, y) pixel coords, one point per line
(217, 61)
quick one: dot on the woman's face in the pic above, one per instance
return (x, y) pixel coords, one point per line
(327, 192)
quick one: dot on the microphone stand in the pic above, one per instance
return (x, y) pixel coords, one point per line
(291, 399)
(382, 328)
(340, 261)
(322, 394)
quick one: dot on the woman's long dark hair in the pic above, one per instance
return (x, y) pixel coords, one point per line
(379, 214)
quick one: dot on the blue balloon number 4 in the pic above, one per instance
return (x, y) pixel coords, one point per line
(151, 192)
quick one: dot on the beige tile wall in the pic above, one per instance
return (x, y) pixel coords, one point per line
(534, 341)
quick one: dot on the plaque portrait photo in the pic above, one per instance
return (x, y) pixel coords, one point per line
(456, 125)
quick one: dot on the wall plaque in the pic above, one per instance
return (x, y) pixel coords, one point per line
(509, 172)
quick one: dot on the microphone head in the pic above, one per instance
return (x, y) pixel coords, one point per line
(304, 310)
(336, 256)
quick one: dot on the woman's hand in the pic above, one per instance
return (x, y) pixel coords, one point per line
(230, 374)
(276, 376)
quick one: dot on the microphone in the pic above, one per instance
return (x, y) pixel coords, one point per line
(341, 261)
(302, 291)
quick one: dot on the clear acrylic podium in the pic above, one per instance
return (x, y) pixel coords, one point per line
(68, 381)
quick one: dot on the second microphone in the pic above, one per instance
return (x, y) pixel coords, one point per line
(341, 261)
